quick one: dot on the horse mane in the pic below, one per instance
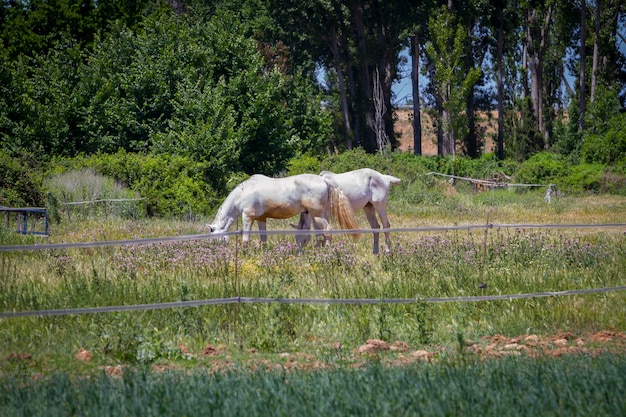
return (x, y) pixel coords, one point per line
(228, 208)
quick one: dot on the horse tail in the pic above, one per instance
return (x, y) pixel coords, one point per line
(391, 180)
(341, 209)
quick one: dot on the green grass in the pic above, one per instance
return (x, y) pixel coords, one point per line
(419, 266)
(277, 359)
(575, 385)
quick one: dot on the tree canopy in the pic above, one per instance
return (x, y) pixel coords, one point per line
(235, 83)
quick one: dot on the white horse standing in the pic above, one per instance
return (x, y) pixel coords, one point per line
(366, 189)
(260, 197)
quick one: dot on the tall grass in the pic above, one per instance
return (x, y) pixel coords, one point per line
(451, 265)
(419, 266)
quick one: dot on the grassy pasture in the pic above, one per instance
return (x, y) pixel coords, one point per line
(271, 339)
(420, 265)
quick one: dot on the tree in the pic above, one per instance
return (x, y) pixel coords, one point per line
(504, 23)
(538, 22)
(353, 41)
(416, 16)
(474, 18)
(175, 84)
(451, 79)
(582, 99)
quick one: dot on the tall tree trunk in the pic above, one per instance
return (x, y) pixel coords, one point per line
(342, 88)
(537, 35)
(368, 139)
(439, 121)
(583, 57)
(500, 76)
(382, 139)
(596, 50)
(471, 142)
(524, 80)
(448, 134)
(385, 71)
(356, 119)
(415, 85)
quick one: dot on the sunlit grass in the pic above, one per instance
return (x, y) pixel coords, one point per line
(420, 266)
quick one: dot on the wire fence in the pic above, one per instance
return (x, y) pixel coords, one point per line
(260, 300)
(124, 206)
(127, 242)
(240, 300)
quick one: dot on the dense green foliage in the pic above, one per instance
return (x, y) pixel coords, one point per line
(173, 85)
(179, 185)
(507, 387)
(171, 185)
(215, 92)
(19, 185)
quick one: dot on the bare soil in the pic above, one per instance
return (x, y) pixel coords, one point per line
(398, 353)
(487, 125)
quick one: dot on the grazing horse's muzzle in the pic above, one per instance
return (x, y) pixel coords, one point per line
(213, 229)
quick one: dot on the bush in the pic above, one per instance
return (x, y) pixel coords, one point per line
(549, 168)
(355, 159)
(609, 147)
(87, 185)
(171, 185)
(542, 168)
(303, 165)
(19, 185)
(585, 177)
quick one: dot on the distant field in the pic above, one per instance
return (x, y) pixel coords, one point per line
(404, 127)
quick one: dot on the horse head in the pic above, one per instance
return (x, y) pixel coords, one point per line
(213, 229)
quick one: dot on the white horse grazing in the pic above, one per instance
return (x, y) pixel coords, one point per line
(260, 197)
(366, 189)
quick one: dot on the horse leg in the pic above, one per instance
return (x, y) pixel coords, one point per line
(304, 224)
(382, 212)
(247, 226)
(262, 229)
(370, 213)
(320, 223)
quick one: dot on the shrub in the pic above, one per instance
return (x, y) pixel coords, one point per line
(19, 185)
(542, 168)
(586, 177)
(171, 185)
(303, 165)
(355, 159)
(609, 147)
(87, 185)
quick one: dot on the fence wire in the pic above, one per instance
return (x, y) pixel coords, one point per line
(242, 300)
(127, 242)
(260, 300)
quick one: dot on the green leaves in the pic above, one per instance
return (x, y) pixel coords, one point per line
(172, 85)
(453, 80)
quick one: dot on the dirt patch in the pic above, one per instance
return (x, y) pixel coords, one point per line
(397, 353)
(487, 124)
(557, 345)
(83, 355)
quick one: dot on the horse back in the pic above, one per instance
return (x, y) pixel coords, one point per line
(363, 185)
(280, 198)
